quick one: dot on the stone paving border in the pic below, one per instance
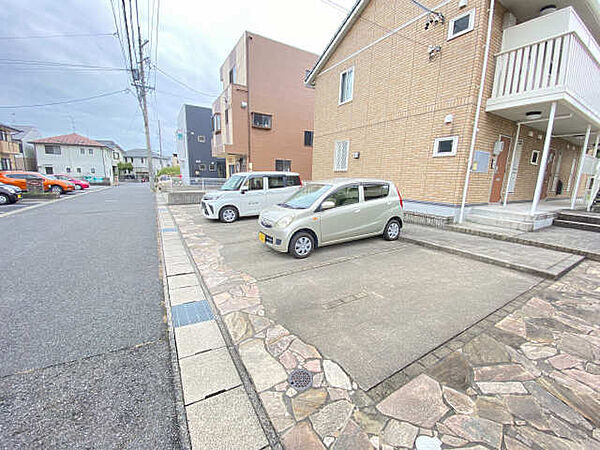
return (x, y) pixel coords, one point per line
(220, 407)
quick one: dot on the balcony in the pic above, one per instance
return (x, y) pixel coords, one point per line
(550, 58)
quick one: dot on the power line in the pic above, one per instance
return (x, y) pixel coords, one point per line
(57, 64)
(51, 36)
(76, 100)
(182, 83)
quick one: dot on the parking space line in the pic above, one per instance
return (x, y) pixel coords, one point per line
(51, 202)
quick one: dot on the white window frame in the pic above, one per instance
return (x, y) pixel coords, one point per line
(436, 144)
(335, 147)
(537, 160)
(348, 70)
(471, 26)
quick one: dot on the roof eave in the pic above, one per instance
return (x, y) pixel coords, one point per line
(339, 35)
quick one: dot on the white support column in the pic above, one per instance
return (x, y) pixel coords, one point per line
(512, 164)
(544, 161)
(596, 176)
(580, 169)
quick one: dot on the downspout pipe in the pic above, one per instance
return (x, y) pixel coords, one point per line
(478, 111)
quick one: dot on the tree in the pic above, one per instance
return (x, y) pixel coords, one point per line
(123, 166)
(172, 171)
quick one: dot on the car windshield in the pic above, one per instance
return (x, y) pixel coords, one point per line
(50, 177)
(306, 196)
(233, 184)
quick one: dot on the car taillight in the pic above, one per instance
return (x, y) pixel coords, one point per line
(301, 183)
(400, 197)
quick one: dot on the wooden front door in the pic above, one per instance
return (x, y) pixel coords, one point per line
(500, 170)
(549, 174)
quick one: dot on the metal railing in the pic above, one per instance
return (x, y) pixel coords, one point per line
(208, 183)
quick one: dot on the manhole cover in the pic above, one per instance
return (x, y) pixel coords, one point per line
(300, 379)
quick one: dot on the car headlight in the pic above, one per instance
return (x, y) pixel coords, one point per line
(283, 222)
(212, 197)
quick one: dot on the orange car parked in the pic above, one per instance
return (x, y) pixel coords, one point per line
(19, 178)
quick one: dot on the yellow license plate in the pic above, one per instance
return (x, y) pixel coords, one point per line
(19, 196)
(261, 237)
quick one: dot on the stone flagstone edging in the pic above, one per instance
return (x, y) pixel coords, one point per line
(531, 379)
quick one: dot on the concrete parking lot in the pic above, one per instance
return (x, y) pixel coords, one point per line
(373, 306)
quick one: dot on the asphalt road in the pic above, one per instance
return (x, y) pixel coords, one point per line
(84, 353)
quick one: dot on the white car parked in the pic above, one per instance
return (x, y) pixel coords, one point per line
(248, 193)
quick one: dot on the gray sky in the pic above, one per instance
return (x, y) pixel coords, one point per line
(194, 38)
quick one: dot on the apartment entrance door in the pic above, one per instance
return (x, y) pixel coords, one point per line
(500, 170)
(549, 174)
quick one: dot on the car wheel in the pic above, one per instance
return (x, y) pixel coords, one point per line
(56, 190)
(78, 188)
(392, 230)
(4, 200)
(228, 214)
(302, 245)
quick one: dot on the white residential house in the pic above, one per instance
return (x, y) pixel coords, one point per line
(75, 155)
(117, 154)
(139, 159)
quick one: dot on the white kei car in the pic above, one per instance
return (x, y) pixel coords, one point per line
(248, 193)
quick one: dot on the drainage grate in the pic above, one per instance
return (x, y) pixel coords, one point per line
(300, 379)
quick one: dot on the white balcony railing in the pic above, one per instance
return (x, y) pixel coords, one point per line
(547, 69)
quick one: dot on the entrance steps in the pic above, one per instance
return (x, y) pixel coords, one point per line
(514, 220)
(581, 220)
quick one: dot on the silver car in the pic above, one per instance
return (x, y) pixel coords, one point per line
(332, 211)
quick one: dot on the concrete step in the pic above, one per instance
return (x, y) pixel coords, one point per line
(537, 261)
(580, 216)
(577, 224)
(497, 212)
(496, 221)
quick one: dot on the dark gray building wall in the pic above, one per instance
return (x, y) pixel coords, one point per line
(199, 157)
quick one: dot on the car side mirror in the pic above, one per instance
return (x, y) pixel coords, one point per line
(243, 189)
(327, 204)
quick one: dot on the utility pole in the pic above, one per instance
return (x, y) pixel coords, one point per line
(159, 139)
(142, 97)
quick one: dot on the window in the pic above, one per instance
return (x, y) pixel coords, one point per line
(226, 116)
(6, 165)
(93, 170)
(116, 155)
(283, 165)
(308, 138)
(232, 75)
(344, 196)
(461, 24)
(375, 191)
(3, 135)
(142, 160)
(445, 146)
(346, 85)
(52, 149)
(255, 183)
(201, 139)
(340, 156)
(276, 181)
(78, 170)
(216, 123)
(82, 151)
(68, 169)
(261, 120)
(535, 156)
(202, 167)
(91, 151)
(293, 180)
(49, 170)
(212, 167)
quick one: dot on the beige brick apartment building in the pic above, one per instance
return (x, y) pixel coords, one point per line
(263, 119)
(397, 91)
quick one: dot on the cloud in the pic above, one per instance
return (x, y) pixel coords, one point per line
(194, 39)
